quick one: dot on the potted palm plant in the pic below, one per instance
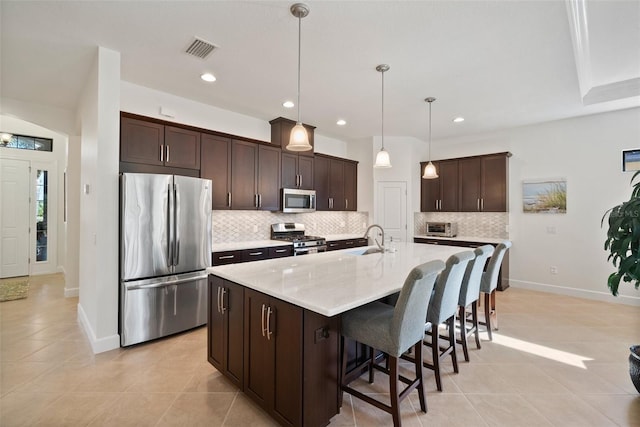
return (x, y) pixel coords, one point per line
(623, 244)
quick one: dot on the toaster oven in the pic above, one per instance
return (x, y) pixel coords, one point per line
(442, 229)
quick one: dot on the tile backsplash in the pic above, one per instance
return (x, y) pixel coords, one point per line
(476, 224)
(238, 226)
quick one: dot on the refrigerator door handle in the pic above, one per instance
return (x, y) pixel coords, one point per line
(170, 208)
(191, 278)
(176, 234)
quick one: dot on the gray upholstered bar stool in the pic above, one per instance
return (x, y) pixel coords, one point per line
(442, 309)
(490, 283)
(393, 330)
(469, 295)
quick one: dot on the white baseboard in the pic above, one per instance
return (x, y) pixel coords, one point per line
(97, 345)
(71, 292)
(573, 292)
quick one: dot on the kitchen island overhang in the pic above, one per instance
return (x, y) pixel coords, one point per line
(288, 313)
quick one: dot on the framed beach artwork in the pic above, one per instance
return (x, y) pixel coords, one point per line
(544, 196)
(631, 160)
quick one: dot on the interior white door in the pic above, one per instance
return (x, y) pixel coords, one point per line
(392, 209)
(14, 218)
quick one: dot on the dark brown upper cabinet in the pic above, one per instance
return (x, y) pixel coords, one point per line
(297, 171)
(255, 176)
(483, 183)
(216, 166)
(335, 183)
(280, 131)
(151, 143)
(440, 194)
(468, 184)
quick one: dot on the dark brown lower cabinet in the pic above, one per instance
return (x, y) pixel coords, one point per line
(225, 328)
(289, 355)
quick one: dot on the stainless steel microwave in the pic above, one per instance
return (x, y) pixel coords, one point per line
(296, 201)
(442, 229)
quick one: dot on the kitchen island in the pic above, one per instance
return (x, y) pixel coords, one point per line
(274, 325)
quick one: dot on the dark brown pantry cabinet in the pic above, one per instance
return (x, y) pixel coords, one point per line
(225, 328)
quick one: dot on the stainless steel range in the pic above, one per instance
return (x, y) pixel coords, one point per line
(294, 233)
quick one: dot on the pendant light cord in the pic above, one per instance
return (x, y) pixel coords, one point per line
(382, 110)
(430, 130)
(299, 53)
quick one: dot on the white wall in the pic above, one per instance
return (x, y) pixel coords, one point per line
(587, 152)
(57, 159)
(99, 119)
(147, 102)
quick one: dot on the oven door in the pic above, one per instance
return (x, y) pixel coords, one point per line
(309, 250)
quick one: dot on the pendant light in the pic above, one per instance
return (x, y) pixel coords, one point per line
(299, 139)
(382, 158)
(430, 170)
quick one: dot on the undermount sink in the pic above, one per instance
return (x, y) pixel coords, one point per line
(365, 251)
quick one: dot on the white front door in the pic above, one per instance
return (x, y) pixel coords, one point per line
(392, 209)
(14, 218)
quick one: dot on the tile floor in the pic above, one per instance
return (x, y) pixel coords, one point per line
(556, 360)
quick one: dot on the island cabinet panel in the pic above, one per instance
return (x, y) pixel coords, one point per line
(226, 328)
(273, 356)
(216, 166)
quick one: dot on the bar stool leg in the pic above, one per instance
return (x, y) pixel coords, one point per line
(393, 390)
(452, 342)
(419, 372)
(487, 314)
(463, 332)
(474, 320)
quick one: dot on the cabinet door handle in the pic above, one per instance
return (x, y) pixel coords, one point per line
(263, 322)
(162, 152)
(440, 204)
(346, 203)
(259, 200)
(218, 299)
(255, 200)
(167, 153)
(222, 294)
(478, 204)
(269, 323)
(436, 204)
(229, 199)
(227, 257)
(300, 185)
(482, 204)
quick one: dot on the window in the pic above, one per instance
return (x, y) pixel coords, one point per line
(41, 214)
(25, 142)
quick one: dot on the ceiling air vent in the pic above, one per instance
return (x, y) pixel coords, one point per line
(200, 48)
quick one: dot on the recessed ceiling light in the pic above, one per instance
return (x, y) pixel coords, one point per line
(288, 104)
(341, 122)
(208, 77)
(458, 120)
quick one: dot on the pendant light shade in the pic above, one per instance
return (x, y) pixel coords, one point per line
(299, 138)
(382, 158)
(430, 170)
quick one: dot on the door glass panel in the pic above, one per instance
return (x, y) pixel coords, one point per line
(41, 214)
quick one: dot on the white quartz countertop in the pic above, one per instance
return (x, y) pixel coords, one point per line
(330, 283)
(491, 240)
(331, 237)
(250, 244)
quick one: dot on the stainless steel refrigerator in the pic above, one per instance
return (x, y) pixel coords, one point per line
(165, 247)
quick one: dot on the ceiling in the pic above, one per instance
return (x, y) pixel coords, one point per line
(498, 64)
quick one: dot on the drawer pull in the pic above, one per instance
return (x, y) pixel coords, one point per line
(279, 251)
(255, 253)
(227, 257)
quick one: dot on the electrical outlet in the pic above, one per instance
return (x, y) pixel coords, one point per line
(553, 269)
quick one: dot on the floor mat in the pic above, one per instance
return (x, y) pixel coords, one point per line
(14, 288)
